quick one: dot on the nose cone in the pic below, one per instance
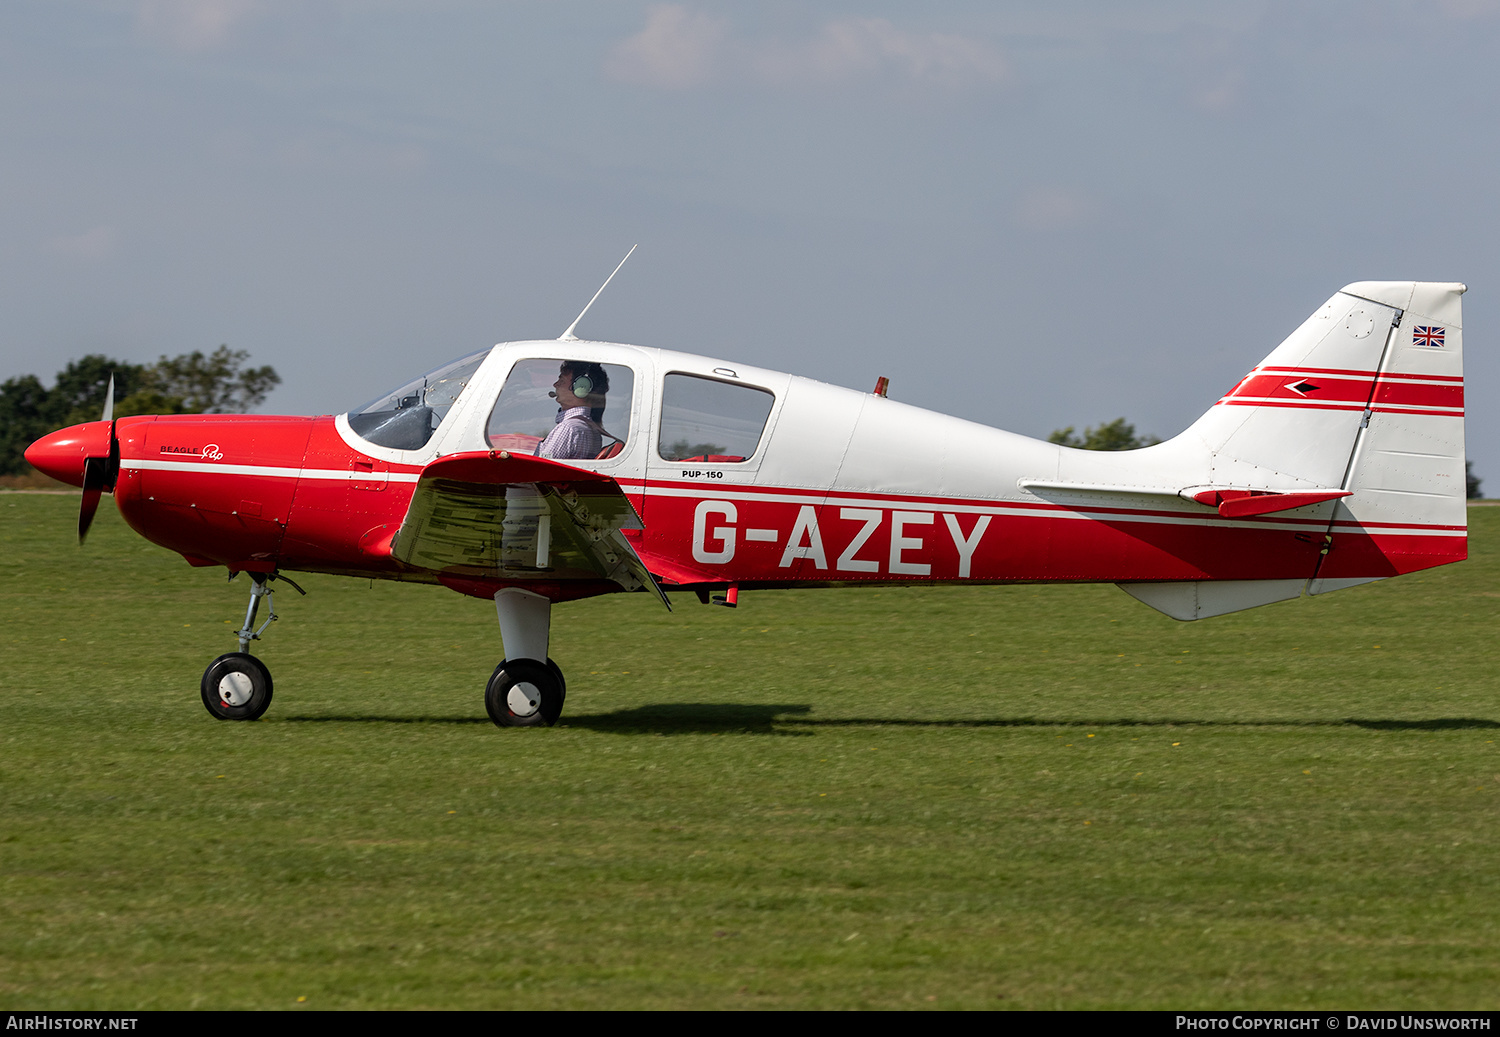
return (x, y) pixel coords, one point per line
(61, 454)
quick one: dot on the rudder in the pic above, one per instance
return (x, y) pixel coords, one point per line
(1408, 508)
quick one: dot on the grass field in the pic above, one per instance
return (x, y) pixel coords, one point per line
(1028, 797)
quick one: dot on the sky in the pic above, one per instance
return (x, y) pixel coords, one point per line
(1028, 214)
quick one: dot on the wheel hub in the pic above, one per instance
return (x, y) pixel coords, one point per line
(523, 699)
(235, 689)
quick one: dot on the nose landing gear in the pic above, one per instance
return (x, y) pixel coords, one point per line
(236, 685)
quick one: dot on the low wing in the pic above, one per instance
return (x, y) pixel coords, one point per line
(492, 514)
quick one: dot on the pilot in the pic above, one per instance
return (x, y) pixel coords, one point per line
(577, 435)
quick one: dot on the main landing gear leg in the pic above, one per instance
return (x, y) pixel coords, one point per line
(236, 685)
(524, 690)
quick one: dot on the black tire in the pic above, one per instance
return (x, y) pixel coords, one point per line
(524, 693)
(562, 682)
(236, 686)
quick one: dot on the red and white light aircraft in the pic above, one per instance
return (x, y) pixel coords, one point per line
(1337, 461)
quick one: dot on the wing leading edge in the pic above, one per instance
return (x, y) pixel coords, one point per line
(496, 515)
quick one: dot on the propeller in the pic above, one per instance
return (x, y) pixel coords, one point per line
(100, 473)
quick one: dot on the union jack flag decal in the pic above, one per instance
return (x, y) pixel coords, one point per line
(1423, 336)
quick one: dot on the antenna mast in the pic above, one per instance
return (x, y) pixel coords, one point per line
(568, 336)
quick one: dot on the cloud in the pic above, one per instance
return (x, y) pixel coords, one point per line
(676, 49)
(853, 48)
(192, 25)
(681, 48)
(91, 246)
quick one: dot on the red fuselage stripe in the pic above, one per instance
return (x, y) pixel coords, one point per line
(697, 492)
(1343, 392)
(1350, 373)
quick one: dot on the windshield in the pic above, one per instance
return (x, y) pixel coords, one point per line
(406, 417)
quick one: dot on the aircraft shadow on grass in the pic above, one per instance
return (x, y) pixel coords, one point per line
(344, 718)
(664, 718)
(676, 718)
(681, 718)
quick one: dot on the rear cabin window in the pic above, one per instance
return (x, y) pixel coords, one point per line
(568, 410)
(703, 419)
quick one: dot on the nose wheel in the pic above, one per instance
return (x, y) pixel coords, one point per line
(525, 693)
(236, 686)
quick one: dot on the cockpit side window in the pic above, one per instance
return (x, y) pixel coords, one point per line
(565, 409)
(703, 419)
(405, 418)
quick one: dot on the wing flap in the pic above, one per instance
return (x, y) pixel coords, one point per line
(496, 515)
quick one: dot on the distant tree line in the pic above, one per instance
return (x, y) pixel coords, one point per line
(1120, 435)
(193, 383)
(1115, 435)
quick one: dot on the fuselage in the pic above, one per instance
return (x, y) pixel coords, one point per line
(805, 484)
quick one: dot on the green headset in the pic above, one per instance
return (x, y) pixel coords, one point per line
(585, 384)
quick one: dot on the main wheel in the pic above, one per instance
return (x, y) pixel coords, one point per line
(236, 686)
(525, 693)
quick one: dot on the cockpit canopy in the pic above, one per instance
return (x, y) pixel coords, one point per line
(406, 417)
(572, 408)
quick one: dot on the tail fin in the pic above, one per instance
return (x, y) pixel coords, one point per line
(1361, 408)
(1366, 396)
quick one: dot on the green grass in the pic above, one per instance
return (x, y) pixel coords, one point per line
(1027, 797)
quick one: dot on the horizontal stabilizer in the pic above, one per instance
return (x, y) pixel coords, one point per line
(1044, 488)
(1243, 503)
(1231, 503)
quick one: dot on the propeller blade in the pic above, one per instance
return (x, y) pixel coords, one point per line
(86, 513)
(109, 402)
(112, 466)
(99, 475)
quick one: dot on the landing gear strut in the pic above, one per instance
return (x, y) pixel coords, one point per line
(525, 690)
(236, 685)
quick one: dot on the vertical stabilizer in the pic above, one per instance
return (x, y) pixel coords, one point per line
(1292, 422)
(1366, 397)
